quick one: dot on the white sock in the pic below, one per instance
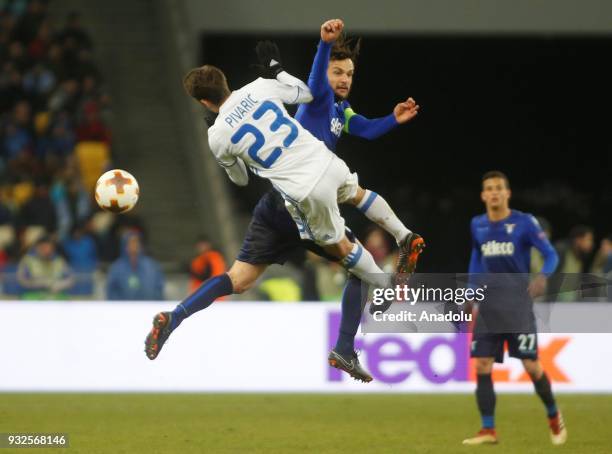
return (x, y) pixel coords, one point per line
(361, 263)
(378, 211)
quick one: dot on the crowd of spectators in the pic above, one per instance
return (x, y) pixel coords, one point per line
(54, 143)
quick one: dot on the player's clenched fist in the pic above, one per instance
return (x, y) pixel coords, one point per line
(406, 111)
(331, 29)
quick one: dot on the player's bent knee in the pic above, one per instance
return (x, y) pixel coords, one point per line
(243, 276)
(533, 367)
(484, 365)
(240, 281)
(345, 246)
(341, 249)
(359, 195)
(239, 287)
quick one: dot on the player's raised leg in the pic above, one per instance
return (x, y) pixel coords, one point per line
(376, 209)
(318, 219)
(358, 260)
(343, 355)
(485, 398)
(239, 278)
(541, 383)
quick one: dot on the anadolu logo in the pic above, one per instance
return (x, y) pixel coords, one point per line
(420, 358)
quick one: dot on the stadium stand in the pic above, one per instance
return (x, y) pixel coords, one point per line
(54, 141)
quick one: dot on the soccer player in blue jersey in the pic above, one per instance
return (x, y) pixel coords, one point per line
(329, 114)
(502, 239)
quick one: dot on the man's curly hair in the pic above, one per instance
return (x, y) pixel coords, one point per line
(345, 48)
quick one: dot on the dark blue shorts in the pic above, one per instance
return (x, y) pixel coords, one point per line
(488, 339)
(272, 236)
(494, 328)
(521, 346)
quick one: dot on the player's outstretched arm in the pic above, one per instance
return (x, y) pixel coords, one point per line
(317, 81)
(360, 126)
(367, 128)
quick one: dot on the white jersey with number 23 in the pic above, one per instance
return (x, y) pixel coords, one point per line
(254, 126)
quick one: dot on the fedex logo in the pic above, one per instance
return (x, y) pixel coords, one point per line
(547, 353)
(392, 358)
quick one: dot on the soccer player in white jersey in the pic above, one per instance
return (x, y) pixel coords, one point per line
(253, 129)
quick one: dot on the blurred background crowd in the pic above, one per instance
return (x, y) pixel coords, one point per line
(55, 142)
(56, 139)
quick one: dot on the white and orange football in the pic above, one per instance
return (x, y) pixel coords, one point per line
(117, 191)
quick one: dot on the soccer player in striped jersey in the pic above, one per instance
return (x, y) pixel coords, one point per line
(501, 252)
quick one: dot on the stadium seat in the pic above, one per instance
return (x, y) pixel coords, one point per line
(93, 159)
(7, 236)
(22, 192)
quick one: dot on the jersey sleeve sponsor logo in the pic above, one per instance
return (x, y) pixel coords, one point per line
(496, 248)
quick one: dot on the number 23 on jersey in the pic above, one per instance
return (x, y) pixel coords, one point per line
(260, 139)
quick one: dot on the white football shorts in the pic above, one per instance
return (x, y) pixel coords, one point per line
(318, 216)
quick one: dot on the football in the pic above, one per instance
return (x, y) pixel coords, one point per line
(117, 191)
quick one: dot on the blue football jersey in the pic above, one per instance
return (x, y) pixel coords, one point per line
(326, 117)
(325, 124)
(505, 246)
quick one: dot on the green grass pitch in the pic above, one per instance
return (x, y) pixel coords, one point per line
(300, 423)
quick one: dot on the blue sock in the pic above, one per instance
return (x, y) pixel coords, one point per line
(486, 399)
(352, 306)
(488, 422)
(210, 290)
(544, 391)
